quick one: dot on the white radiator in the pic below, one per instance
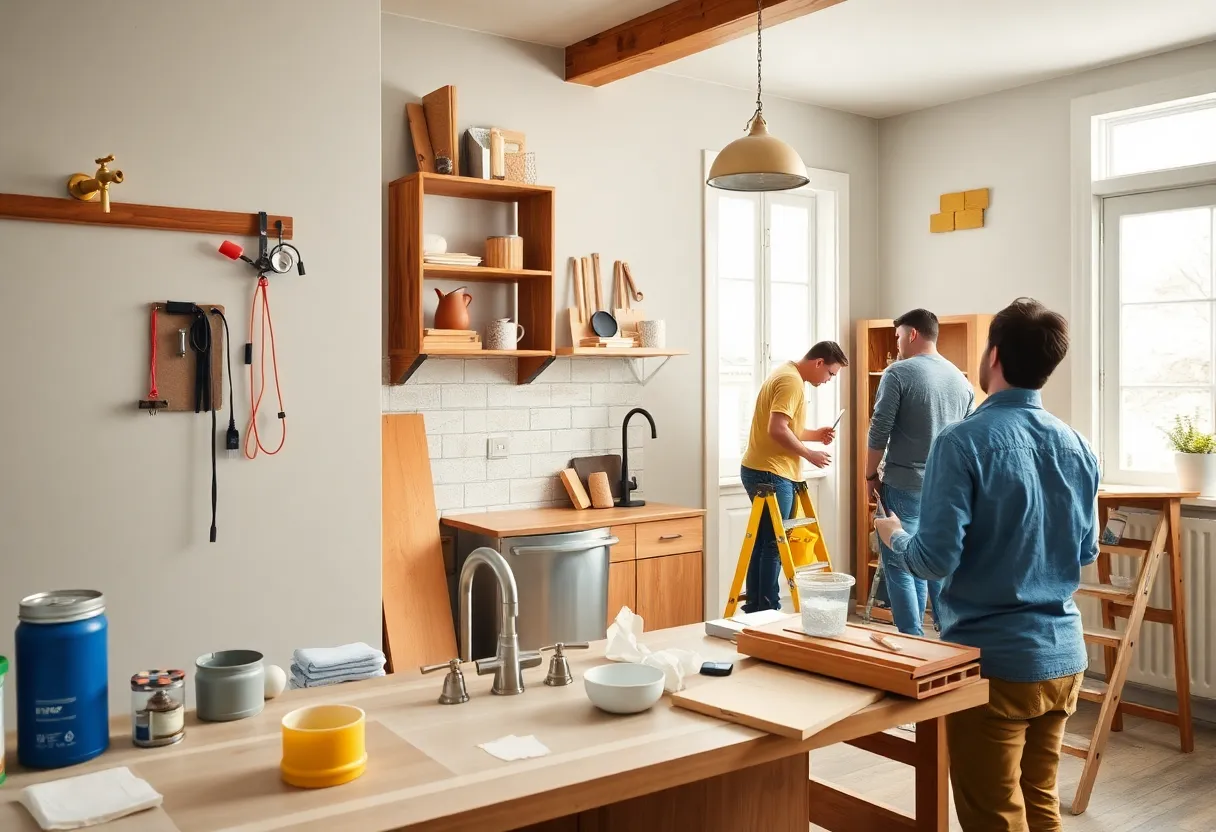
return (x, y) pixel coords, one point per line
(1153, 659)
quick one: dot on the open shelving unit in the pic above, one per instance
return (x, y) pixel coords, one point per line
(407, 272)
(961, 340)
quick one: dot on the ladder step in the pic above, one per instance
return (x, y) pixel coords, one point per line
(1134, 551)
(1107, 638)
(1075, 745)
(1107, 591)
(1093, 690)
(799, 522)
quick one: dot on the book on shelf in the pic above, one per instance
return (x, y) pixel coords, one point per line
(608, 343)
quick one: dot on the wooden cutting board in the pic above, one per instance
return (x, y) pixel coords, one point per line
(784, 702)
(440, 109)
(416, 117)
(921, 668)
(610, 464)
(417, 609)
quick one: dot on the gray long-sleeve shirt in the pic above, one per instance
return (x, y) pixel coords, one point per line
(917, 398)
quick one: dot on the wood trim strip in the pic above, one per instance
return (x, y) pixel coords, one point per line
(132, 215)
(839, 810)
(887, 745)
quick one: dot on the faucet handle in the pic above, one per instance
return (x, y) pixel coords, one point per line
(105, 160)
(559, 668)
(558, 647)
(454, 690)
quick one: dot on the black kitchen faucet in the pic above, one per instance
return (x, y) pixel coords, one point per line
(629, 485)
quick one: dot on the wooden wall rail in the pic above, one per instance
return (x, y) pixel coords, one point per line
(130, 215)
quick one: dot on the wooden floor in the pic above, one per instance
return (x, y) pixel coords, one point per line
(1144, 782)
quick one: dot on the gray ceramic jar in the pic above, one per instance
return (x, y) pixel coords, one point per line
(229, 684)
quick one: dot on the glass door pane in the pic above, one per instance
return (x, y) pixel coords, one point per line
(739, 287)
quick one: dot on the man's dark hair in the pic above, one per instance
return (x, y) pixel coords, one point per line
(829, 351)
(922, 320)
(1030, 342)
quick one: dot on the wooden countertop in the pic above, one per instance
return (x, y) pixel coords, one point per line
(426, 771)
(550, 520)
(1141, 492)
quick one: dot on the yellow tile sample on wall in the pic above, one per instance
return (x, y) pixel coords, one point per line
(952, 202)
(971, 218)
(939, 223)
(975, 199)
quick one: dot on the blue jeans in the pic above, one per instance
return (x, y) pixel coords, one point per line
(907, 593)
(764, 569)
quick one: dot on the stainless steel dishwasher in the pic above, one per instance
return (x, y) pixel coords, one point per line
(563, 587)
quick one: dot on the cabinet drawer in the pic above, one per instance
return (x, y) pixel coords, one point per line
(627, 548)
(669, 537)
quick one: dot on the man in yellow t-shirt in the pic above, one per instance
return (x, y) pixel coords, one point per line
(774, 455)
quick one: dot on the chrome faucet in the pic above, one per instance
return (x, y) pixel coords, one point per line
(628, 485)
(508, 662)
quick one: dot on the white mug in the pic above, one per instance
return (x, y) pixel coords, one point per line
(503, 334)
(653, 334)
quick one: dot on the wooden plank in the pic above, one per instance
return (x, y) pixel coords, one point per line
(777, 700)
(677, 30)
(132, 215)
(517, 523)
(888, 745)
(440, 109)
(932, 777)
(838, 809)
(423, 154)
(468, 187)
(1104, 591)
(417, 610)
(1149, 712)
(574, 489)
(1141, 492)
(405, 323)
(1182, 669)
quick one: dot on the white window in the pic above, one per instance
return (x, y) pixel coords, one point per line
(1176, 135)
(765, 266)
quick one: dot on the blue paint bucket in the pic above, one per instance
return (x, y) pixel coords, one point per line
(63, 712)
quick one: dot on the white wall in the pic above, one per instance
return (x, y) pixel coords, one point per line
(1017, 144)
(96, 494)
(626, 163)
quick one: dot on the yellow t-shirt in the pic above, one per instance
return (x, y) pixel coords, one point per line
(782, 392)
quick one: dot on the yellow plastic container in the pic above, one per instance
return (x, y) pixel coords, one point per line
(323, 745)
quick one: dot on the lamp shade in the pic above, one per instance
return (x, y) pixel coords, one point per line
(757, 162)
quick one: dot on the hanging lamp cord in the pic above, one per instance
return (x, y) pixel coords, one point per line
(759, 114)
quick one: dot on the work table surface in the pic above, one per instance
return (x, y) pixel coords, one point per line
(523, 522)
(426, 771)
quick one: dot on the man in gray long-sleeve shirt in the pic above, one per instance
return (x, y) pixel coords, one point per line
(918, 396)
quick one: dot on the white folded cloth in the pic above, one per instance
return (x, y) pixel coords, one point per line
(89, 800)
(623, 646)
(314, 660)
(515, 748)
(341, 670)
(300, 679)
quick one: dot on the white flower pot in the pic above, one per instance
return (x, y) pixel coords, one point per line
(1197, 472)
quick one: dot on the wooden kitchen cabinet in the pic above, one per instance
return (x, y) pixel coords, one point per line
(622, 588)
(669, 590)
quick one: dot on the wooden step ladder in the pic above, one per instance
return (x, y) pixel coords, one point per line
(1130, 603)
(766, 501)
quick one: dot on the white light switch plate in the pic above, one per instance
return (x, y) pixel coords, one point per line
(496, 447)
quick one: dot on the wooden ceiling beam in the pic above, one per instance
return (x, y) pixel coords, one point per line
(677, 30)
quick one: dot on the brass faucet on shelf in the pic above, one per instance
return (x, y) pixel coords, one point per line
(85, 187)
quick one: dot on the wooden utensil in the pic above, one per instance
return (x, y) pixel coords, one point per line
(588, 307)
(440, 109)
(633, 287)
(574, 489)
(602, 323)
(423, 153)
(578, 289)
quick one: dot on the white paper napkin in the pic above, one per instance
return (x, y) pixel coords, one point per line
(515, 748)
(623, 646)
(88, 800)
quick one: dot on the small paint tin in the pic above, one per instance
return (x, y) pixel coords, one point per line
(158, 707)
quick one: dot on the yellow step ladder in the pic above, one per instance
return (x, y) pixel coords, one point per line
(801, 534)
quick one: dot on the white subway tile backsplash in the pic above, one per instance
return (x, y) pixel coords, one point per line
(529, 442)
(616, 393)
(577, 439)
(521, 395)
(481, 494)
(558, 371)
(511, 468)
(570, 395)
(449, 497)
(410, 398)
(621, 370)
(452, 471)
(443, 421)
(591, 369)
(589, 417)
(490, 371)
(549, 418)
(497, 421)
(534, 490)
(464, 396)
(438, 371)
(548, 465)
(465, 445)
(434, 445)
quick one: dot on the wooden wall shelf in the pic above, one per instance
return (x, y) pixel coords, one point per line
(624, 352)
(131, 215)
(961, 340)
(407, 271)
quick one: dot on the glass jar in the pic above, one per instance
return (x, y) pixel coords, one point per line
(158, 707)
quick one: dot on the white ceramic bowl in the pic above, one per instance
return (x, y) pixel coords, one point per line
(623, 688)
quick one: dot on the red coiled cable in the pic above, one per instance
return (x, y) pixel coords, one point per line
(255, 398)
(153, 393)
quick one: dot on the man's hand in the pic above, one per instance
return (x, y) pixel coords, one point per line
(820, 459)
(824, 436)
(887, 527)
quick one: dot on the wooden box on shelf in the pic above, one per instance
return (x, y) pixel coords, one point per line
(407, 347)
(961, 340)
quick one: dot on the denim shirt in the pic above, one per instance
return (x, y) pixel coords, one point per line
(1008, 518)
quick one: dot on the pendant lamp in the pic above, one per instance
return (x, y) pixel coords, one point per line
(758, 161)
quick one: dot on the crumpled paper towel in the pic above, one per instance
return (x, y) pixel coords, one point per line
(515, 748)
(89, 799)
(623, 646)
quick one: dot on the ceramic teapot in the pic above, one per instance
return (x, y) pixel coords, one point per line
(452, 312)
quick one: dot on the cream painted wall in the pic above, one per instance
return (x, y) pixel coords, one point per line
(626, 162)
(1017, 144)
(225, 105)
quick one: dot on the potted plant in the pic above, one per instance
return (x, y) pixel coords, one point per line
(1194, 456)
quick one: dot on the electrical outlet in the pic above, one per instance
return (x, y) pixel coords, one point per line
(496, 447)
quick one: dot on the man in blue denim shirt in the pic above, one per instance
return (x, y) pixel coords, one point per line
(1008, 519)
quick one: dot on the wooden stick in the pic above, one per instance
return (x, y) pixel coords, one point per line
(633, 286)
(587, 288)
(599, 291)
(578, 289)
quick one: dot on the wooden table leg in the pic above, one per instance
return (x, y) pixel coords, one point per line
(932, 777)
(1182, 665)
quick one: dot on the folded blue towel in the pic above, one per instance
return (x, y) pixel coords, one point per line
(299, 680)
(320, 659)
(360, 668)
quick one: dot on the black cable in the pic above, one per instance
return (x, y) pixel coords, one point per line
(202, 342)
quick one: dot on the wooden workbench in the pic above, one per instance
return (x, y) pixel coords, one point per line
(667, 768)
